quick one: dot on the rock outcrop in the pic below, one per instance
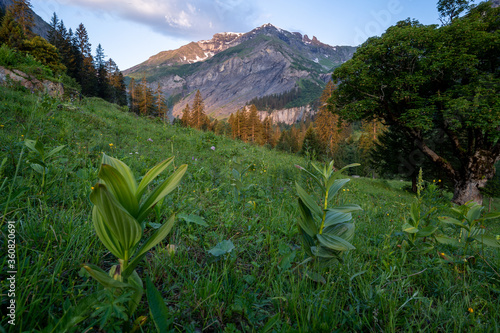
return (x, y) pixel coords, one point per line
(288, 116)
(30, 82)
(232, 68)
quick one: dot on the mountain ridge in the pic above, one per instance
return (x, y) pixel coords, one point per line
(232, 68)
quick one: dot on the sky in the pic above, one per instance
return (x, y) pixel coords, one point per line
(131, 31)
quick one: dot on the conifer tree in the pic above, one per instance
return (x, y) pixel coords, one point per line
(132, 88)
(312, 144)
(199, 119)
(268, 132)
(161, 103)
(11, 33)
(145, 98)
(88, 78)
(22, 13)
(186, 116)
(254, 125)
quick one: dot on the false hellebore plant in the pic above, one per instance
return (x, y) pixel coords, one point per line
(120, 207)
(326, 232)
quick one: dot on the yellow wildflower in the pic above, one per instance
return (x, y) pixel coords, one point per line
(470, 310)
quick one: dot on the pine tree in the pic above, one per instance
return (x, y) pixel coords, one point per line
(22, 13)
(312, 144)
(161, 103)
(186, 116)
(328, 128)
(11, 33)
(199, 119)
(145, 98)
(254, 125)
(268, 132)
(88, 76)
(132, 88)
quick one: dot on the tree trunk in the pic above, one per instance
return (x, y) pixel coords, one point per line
(467, 190)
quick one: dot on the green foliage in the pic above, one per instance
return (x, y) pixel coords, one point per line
(40, 160)
(257, 284)
(471, 227)
(13, 59)
(120, 206)
(326, 231)
(237, 179)
(433, 80)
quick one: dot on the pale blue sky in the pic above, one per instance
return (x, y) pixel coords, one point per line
(130, 31)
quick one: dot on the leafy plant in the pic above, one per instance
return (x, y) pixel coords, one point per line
(326, 231)
(419, 225)
(471, 226)
(120, 207)
(237, 182)
(39, 163)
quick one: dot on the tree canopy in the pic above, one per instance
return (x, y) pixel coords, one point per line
(427, 79)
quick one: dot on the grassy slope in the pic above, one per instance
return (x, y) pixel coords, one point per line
(377, 288)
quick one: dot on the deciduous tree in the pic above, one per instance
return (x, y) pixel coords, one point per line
(428, 78)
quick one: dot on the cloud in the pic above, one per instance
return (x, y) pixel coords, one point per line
(195, 19)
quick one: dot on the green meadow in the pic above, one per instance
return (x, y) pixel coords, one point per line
(234, 260)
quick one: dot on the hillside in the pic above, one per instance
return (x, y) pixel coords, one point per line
(262, 282)
(232, 68)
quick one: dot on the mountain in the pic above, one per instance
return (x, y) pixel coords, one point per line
(233, 68)
(40, 28)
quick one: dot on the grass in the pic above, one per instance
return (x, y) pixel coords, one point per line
(378, 287)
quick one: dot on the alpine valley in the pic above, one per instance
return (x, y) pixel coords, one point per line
(232, 69)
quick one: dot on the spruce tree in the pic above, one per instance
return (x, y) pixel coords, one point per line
(254, 125)
(23, 14)
(11, 33)
(199, 119)
(132, 89)
(88, 77)
(312, 144)
(186, 116)
(161, 103)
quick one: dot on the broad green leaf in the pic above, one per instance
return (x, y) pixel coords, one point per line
(103, 278)
(307, 241)
(117, 185)
(157, 307)
(307, 221)
(314, 177)
(451, 220)
(105, 235)
(324, 252)
(39, 169)
(135, 282)
(334, 242)
(121, 225)
(193, 219)
(222, 248)
(474, 213)
(408, 228)
(336, 186)
(492, 215)
(334, 217)
(427, 231)
(415, 213)
(161, 191)
(487, 239)
(123, 169)
(309, 202)
(345, 208)
(348, 166)
(151, 175)
(448, 240)
(55, 151)
(152, 241)
(316, 277)
(31, 145)
(342, 230)
(321, 172)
